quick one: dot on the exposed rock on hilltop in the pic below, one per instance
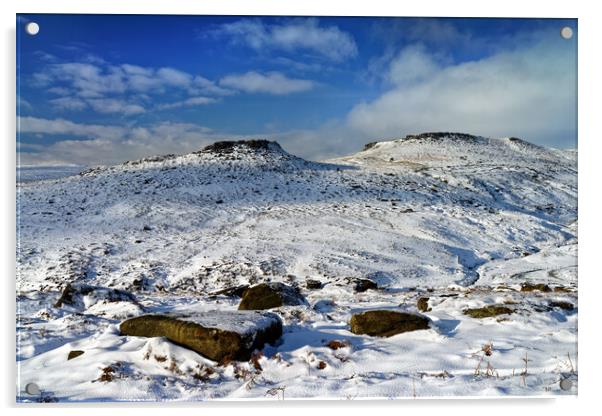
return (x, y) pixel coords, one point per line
(442, 135)
(226, 147)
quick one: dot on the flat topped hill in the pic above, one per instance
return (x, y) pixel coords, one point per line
(446, 149)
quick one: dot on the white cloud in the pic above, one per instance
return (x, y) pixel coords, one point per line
(189, 102)
(270, 83)
(174, 77)
(68, 103)
(59, 91)
(205, 86)
(128, 89)
(137, 70)
(23, 104)
(100, 105)
(412, 64)
(100, 80)
(527, 92)
(94, 144)
(297, 34)
(87, 79)
(300, 66)
(110, 105)
(65, 127)
(125, 89)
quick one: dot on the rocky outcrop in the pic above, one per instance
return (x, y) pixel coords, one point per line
(81, 296)
(225, 147)
(234, 291)
(567, 306)
(217, 335)
(488, 311)
(386, 323)
(313, 284)
(362, 285)
(270, 295)
(530, 287)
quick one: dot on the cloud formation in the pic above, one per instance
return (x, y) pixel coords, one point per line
(274, 83)
(305, 35)
(93, 144)
(189, 102)
(122, 89)
(528, 92)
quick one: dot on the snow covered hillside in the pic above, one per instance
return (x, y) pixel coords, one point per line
(465, 221)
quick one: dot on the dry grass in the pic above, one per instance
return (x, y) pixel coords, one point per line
(489, 370)
(255, 360)
(335, 344)
(109, 373)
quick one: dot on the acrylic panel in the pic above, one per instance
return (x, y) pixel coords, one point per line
(276, 208)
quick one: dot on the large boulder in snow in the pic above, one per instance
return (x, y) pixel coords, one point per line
(217, 335)
(270, 295)
(82, 296)
(385, 323)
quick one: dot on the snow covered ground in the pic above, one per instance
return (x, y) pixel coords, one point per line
(465, 221)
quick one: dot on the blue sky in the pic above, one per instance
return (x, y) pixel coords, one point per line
(100, 89)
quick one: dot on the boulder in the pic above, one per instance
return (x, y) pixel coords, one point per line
(231, 292)
(386, 323)
(567, 306)
(488, 311)
(81, 296)
(270, 295)
(217, 335)
(362, 285)
(530, 287)
(313, 284)
(74, 354)
(423, 304)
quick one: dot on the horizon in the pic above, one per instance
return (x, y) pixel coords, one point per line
(322, 87)
(69, 167)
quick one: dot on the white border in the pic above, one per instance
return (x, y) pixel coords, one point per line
(590, 156)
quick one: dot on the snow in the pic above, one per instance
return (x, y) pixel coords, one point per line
(241, 322)
(462, 220)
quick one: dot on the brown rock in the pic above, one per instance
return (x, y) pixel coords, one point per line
(217, 335)
(362, 285)
(270, 295)
(488, 311)
(385, 323)
(74, 354)
(423, 304)
(567, 306)
(313, 284)
(530, 287)
(73, 295)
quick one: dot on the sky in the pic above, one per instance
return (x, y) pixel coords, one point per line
(102, 89)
